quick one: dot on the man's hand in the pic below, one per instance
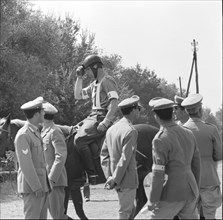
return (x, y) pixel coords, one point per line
(150, 206)
(40, 193)
(110, 183)
(104, 125)
(101, 127)
(80, 71)
(52, 184)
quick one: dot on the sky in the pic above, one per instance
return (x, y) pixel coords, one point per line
(157, 35)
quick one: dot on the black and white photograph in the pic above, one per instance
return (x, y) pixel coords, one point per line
(111, 109)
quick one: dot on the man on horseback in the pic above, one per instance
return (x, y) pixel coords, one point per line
(104, 96)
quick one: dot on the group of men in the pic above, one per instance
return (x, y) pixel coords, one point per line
(41, 156)
(187, 154)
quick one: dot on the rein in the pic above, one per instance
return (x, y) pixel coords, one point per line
(73, 131)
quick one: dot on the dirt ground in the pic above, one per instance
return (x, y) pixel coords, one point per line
(103, 203)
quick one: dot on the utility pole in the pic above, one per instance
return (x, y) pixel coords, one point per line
(194, 63)
(181, 92)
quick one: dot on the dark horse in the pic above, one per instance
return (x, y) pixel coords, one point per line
(74, 168)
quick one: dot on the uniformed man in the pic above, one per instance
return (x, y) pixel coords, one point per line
(103, 91)
(176, 167)
(55, 152)
(210, 146)
(32, 179)
(118, 157)
(179, 111)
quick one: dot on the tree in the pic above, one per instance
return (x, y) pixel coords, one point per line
(210, 118)
(39, 56)
(218, 116)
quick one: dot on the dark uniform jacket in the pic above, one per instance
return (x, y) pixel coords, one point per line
(175, 148)
(210, 146)
(32, 174)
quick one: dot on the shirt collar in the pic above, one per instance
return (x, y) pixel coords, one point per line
(195, 119)
(168, 124)
(46, 127)
(32, 127)
(124, 119)
(47, 124)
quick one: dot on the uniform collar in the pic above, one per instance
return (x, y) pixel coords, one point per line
(168, 124)
(47, 124)
(96, 81)
(124, 119)
(34, 129)
(46, 128)
(195, 119)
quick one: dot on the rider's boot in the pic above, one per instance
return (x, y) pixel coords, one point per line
(88, 163)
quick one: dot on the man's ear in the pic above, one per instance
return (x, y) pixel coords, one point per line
(95, 66)
(156, 117)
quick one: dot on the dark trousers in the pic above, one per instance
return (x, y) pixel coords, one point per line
(87, 135)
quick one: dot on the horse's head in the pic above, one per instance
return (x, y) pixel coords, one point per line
(5, 142)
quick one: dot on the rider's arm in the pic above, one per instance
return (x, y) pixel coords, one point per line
(110, 87)
(112, 109)
(78, 88)
(79, 91)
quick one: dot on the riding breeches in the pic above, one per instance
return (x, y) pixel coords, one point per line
(87, 135)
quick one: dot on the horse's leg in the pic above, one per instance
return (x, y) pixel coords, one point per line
(86, 192)
(78, 202)
(141, 198)
(101, 177)
(66, 199)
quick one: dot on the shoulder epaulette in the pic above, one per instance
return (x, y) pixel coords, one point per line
(108, 77)
(131, 126)
(208, 123)
(185, 127)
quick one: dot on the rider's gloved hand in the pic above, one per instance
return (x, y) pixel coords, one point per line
(104, 125)
(80, 71)
(101, 127)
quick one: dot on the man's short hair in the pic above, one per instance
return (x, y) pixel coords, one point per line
(127, 111)
(164, 114)
(31, 112)
(48, 116)
(194, 112)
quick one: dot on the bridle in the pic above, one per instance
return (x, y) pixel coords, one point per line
(9, 136)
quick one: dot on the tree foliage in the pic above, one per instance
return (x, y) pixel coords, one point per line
(39, 55)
